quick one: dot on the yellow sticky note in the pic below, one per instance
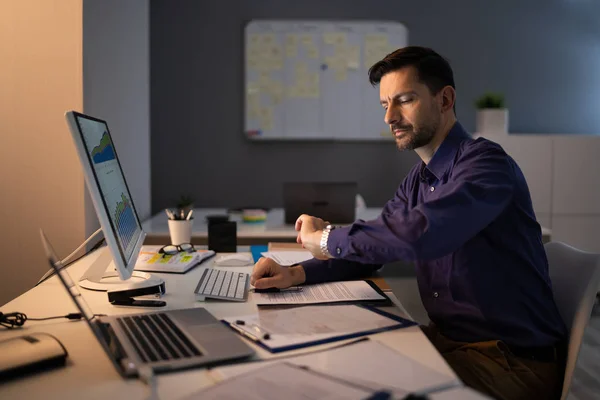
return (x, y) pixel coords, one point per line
(312, 51)
(252, 87)
(313, 92)
(267, 39)
(291, 50)
(291, 39)
(301, 68)
(301, 91)
(254, 39)
(340, 39)
(340, 75)
(306, 39)
(334, 38)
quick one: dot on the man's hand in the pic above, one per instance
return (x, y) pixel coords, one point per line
(268, 274)
(309, 231)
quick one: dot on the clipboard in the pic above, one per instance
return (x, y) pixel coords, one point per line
(386, 301)
(264, 341)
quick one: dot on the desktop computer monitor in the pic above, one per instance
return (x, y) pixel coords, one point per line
(112, 201)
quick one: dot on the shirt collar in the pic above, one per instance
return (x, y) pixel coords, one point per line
(444, 156)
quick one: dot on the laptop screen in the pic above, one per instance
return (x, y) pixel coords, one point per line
(65, 279)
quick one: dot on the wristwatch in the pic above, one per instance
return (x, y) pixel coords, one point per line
(324, 238)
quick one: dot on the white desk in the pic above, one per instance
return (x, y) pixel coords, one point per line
(273, 230)
(90, 374)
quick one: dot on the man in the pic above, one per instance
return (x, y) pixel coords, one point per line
(464, 216)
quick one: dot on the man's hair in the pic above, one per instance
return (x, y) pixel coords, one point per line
(433, 70)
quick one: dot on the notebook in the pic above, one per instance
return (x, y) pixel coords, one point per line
(152, 261)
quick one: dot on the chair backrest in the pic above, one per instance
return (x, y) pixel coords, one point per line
(575, 276)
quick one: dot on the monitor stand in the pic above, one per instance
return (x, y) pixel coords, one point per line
(102, 276)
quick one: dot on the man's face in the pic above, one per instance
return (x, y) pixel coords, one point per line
(412, 112)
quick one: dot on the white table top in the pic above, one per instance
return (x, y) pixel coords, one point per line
(274, 226)
(89, 372)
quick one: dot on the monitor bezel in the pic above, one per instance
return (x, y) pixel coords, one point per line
(123, 266)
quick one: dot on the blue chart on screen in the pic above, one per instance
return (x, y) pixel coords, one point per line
(125, 220)
(104, 151)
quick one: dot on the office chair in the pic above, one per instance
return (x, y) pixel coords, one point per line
(575, 276)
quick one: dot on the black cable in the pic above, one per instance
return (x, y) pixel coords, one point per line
(18, 319)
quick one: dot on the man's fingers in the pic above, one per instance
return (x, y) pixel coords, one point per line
(265, 283)
(299, 221)
(261, 269)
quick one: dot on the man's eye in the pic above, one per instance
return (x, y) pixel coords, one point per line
(406, 101)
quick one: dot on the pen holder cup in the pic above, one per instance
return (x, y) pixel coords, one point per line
(181, 230)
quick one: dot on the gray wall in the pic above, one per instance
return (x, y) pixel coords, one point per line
(116, 87)
(543, 55)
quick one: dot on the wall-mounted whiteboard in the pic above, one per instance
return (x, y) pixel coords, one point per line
(308, 79)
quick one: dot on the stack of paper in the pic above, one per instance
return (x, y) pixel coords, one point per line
(288, 257)
(284, 381)
(368, 363)
(321, 293)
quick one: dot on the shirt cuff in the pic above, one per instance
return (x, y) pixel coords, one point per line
(337, 242)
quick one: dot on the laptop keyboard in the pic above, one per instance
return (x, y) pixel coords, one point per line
(156, 338)
(223, 285)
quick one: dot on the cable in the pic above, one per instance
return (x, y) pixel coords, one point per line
(65, 260)
(51, 271)
(18, 319)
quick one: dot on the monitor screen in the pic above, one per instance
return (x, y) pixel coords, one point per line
(112, 190)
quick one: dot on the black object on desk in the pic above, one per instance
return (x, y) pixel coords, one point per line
(222, 237)
(126, 297)
(30, 353)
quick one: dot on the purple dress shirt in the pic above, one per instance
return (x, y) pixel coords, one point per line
(467, 222)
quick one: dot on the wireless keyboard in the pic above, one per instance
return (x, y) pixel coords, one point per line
(222, 285)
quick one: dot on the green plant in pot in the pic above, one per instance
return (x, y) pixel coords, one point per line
(492, 115)
(185, 204)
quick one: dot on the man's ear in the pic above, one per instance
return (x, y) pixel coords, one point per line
(448, 98)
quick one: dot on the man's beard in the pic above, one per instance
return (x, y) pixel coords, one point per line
(419, 137)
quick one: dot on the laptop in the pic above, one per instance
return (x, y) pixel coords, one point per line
(163, 341)
(331, 201)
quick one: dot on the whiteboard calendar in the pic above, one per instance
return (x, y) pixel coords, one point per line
(308, 79)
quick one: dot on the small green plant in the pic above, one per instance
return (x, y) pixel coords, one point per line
(490, 100)
(185, 201)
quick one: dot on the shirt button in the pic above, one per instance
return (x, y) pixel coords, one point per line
(338, 251)
(431, 189)
(436, 294)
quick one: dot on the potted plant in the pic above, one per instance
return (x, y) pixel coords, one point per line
(185, 204)
(492, 116)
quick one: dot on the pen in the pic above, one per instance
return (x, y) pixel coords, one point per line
(189, 215)
(277, 290)
(265, 335)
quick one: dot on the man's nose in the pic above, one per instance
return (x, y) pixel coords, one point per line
(392, 117)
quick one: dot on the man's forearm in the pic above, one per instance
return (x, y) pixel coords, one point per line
(317, 271)
(298, 275)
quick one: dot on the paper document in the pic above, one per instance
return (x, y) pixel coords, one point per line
(283, 381)
(380, 367)
(288, 257)
(321, 293)
(279, 329)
